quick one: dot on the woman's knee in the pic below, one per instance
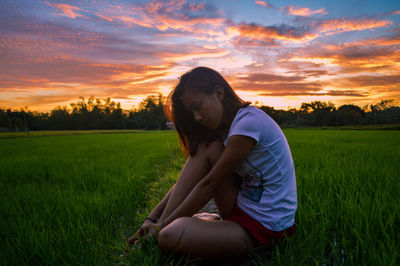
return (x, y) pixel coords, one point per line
(170, 237)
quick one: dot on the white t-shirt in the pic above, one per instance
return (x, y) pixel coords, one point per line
(268, 191)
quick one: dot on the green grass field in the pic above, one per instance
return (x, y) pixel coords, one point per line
(74, 199)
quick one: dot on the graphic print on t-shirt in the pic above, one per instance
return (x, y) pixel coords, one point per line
(252, 182)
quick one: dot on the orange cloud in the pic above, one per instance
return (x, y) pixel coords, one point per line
(196, 26)
(268, 78)
(369, 84)
(333, 26)
(165, 22)
(272, 84)
(268, 34)
(131, 20)
(171, 15)
(347, 93)
(59, 72)
(309, 73)
(395, 40)
(251, 42)
(373, 80)
(318, 60)
(281, 87)
(104, 17)
(370, 59)
(62, 80)
(258, 35)
(68, 10)
(174, 14)
(159, 6)
(349, 59)
(196, 7)
(262, 3)
(303, 11)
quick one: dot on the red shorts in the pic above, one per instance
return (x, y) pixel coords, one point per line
(262, 235)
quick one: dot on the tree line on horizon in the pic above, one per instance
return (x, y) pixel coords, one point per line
(94, 113)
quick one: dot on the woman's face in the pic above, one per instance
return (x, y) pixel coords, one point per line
(207, 109)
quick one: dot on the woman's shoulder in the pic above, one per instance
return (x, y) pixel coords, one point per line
(251, 111)
(250, 118)
(254, 115)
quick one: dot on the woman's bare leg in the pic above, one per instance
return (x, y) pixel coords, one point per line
(211, 240)
(195, 168)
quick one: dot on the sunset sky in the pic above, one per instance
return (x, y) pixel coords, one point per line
(280, 53)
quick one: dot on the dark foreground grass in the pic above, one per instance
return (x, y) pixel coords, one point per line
(348, 194)
(75, 199)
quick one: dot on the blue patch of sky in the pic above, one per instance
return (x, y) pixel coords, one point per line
(347, 37)
(345, 8)
(249, 12)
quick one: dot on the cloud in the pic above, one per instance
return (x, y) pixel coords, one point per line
(50, 73)
(176, 15)
(51, 100)
(252, 42)
(262, 78)
(281, 87)
(373, 55)
(347, 93)
(251, 34)
(274, 84)
(52, 81)
(194, 53)
(68, 10)
(255, 33)
(368, 59)
(263, 4)
(196, 7)
(334, 26)
(310, 83)
(302, 11)
(171, 15)
(384, 81)
(384, 41)
(310, 73)
(37, 38)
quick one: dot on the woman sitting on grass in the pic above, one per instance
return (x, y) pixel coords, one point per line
(237, 155)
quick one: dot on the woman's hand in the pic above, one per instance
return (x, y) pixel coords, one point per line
(143, 231)
(153, 230)
(147, 230)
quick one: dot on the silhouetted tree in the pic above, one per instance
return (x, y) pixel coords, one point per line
(60, 119)
(150, 114)
(349, 114)
(94, 113)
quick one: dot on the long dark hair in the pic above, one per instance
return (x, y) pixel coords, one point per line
(191, 134)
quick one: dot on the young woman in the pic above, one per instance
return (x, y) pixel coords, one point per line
(237, 155)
